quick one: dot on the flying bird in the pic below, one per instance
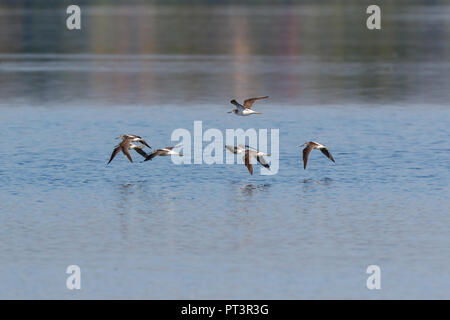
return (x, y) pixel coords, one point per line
(126, 145)
(250, 153)
(134, 138)
(314, 145)
(163, 152)
(246, 109)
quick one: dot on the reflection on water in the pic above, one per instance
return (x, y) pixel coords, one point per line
(324, 181)
(214, 231)
(250, 188)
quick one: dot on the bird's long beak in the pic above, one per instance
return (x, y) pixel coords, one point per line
(230, 112)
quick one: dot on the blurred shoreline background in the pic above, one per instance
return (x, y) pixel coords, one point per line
(297, 38)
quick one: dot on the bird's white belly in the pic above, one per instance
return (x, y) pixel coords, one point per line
(245, 112)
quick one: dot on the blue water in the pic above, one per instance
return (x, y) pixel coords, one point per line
(156, 230)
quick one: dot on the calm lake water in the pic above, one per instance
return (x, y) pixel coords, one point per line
(378, 99)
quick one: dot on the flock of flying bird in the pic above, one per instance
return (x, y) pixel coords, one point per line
(249, 153)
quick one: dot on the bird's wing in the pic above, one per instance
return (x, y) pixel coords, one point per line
(141, 152)
(248, 160)
(239, 107)
(248, 147)
(237, 104)
(327, 153)
(127, 153)
(263, 162)
(249, 102)
(144, 143)
(306, 152)
(114, 153)
(153, 154)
